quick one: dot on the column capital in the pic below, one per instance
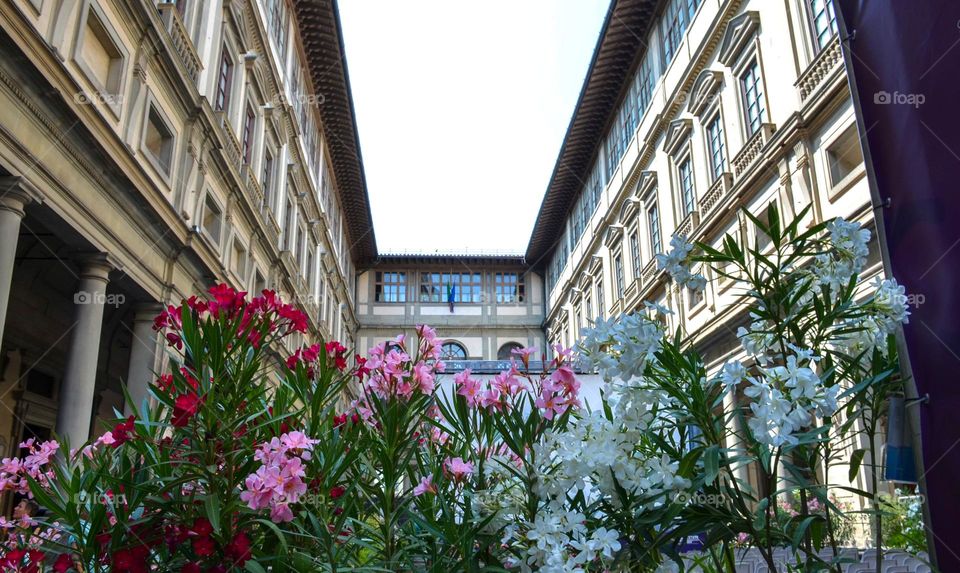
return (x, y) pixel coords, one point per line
(146, 311)
(95, 266)
(15, 195)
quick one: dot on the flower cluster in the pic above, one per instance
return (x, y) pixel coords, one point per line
(560, 542)
(677, 263)
(393, 372)
(14, 472)
(619, 348)
(263, 315)
(786, 398)
(846, 255)
(279, 482)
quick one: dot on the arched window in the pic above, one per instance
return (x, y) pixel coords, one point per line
(506, 351)
(452, 351)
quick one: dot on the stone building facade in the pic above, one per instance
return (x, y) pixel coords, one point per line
(692, 111)
(147, 151)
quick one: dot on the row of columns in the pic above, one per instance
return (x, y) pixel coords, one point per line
(78, 387)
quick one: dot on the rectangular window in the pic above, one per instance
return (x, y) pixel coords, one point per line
(238, 258)
(752, 86)
(685, 172)
(676, 19)
(447, 287)
(618, 274)
(635, 253)
(600, 301)
(844, 155)
(509, 287)
(224, 81)
(288, 231)
(266, 178)
(824, 21)
(718, 158)
(249, 121)
(158, 139)
(390, 287)
(278, 28)
(308, 265)
(588, 306)
(645, 83)
(694, 297)
(212, 219)
(653, 221)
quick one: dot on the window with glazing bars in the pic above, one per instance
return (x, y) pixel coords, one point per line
(248, 122)
(824, 21)
(600, 301)
(509, 287)
(618, 274)
(686, 186)
(224, 80)
(718, 159)
(437, 287)
(635, 254)
(391, 287)
(653, 222)
(753, 97)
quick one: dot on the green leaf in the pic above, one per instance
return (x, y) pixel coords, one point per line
(711, 464)
(855, 460)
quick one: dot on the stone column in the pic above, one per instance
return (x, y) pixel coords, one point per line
(12, 202)
(143, 352)
(77, 391)
(735, 438)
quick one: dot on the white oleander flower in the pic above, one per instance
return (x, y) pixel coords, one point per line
(677, 264)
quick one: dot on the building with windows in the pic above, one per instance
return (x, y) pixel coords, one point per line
(147, 151)
(482, 306)
(151, 149)
(691, 111)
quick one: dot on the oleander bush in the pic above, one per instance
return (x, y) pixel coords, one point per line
(329, 461)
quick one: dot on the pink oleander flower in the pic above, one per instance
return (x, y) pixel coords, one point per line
(425, 486)
(468, 387)
(424, 378)
(524, 354)
(458, 468)
(562, 352)
(551, 404)
(507, 382)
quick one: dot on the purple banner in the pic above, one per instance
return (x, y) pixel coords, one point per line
(905, 58)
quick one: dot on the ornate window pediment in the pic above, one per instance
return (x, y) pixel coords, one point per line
(629, 209)
(739, 32)
(677, 133)
(613, 235)
(646, 184)
(704, 91)
(596, 263)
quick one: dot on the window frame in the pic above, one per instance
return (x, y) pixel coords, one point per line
(688, 190)
(223, 89)
(152, 107)
(382, 287)
(752, 64)
(518, 285)
(210, 196)
(716, 169)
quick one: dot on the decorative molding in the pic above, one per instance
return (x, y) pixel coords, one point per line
(739, 32)
(704, 90)
(677, 133)
(829, 59)
(596, 263)
(630, 207)
(646, 186)
(613, 235)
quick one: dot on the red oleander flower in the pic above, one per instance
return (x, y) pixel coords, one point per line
(63, 563)
(203, 546)
(123, 432)
(185, 408)
(337, 491)
(190, 567)
(202, 527)
(362, 369)
(239, 549)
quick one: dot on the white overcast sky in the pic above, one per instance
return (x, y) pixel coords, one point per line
(462, 106)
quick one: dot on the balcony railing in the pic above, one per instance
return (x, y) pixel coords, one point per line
(232, 149)
(686, 226)
(717, 191)
(497, 366)
(180, 38)
(826, 61)
(752, 149)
